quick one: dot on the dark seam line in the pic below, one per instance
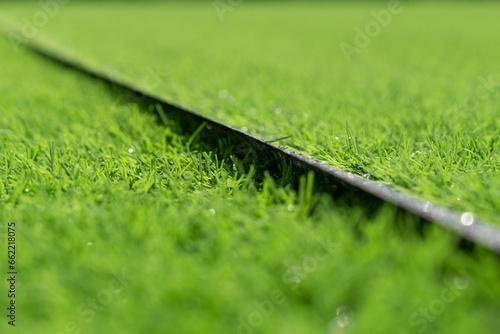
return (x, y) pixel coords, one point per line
(273, 141)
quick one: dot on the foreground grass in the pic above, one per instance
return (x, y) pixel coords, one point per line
(117, 231)
(411, 109)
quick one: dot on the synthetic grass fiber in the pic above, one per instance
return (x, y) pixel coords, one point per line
(126, 225)
(414, 107)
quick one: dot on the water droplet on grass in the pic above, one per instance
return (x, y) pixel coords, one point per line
(290, 207)
(341, 322)
(467, 219)
(212, 212)
(89, 243)
(26, 190)
(244, 129)
(131, 149)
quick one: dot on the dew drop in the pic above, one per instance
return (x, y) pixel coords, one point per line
(467, 219)
(341, 322)
(212, 212)
(89, 243)
(290, 207)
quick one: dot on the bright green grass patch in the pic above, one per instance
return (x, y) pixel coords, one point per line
(98, 188)
(410, 109)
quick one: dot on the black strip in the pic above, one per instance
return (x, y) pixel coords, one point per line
(337, 181)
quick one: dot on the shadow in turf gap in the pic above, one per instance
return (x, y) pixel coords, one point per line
(251, 155)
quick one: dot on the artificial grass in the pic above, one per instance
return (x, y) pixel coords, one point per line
(99, 189)
(410, 109)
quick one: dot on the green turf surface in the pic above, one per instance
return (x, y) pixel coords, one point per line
(410, 109)
(97, 187)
